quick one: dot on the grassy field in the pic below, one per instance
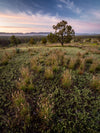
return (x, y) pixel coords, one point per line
(50, 90)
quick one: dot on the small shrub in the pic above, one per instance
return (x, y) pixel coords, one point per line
(44, 41)
(66, 79)
(32, 41)
(48, 73)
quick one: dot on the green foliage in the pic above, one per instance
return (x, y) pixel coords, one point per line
(52, 38)
(64, 32)
(77, 39)
(13, 40)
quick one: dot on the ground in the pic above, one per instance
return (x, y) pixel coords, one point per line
(50, 89)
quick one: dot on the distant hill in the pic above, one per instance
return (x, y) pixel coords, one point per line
(42, 34)
(25, 34)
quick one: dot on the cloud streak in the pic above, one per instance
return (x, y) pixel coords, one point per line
(70, 5)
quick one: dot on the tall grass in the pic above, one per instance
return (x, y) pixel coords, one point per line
(66, 79)
(35, 65)
(25, 81)
(45, 108)
(95, 83)
(93, 67)
(21, 108)
(48, 73)
(5, 58)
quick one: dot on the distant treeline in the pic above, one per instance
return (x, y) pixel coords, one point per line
(5, 40)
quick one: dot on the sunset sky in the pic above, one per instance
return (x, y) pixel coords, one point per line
(39, 15)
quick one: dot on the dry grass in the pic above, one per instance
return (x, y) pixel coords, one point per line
(55, 68)
(89, 60)
(81, 68)
(35, 65)
(72, 63)
(79, 54)
(52, 59)
(25, 82)
(48, 73)
(95, 83)
(21, 108)
(66, 79)
(45, 110)
(24, 72)
(5, 58)
(93, 67)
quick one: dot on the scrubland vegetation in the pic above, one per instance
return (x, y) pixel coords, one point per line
(50, 89)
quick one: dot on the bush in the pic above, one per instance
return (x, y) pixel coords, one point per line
(32, 41)
(44, 40)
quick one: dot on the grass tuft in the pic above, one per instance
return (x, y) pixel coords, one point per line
(95, 83)
(21, 108)
(66, 79)
(48, 73)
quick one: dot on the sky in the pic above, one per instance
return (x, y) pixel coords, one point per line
(40, 15)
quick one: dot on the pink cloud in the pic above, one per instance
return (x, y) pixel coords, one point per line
(22, 22)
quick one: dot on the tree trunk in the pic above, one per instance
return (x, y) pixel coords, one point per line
(62, 40)
(62, 43)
